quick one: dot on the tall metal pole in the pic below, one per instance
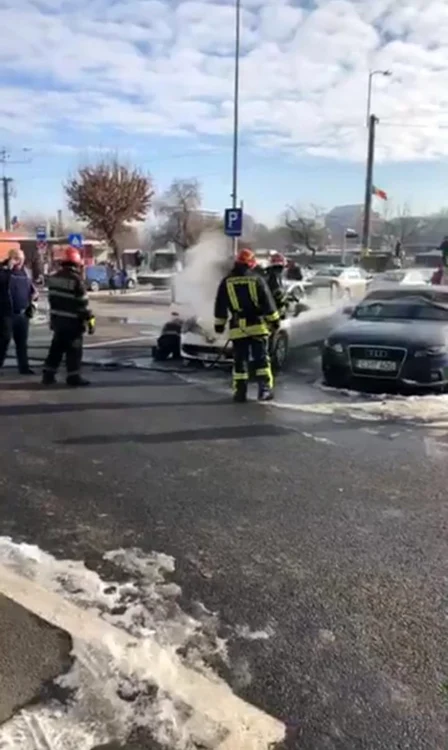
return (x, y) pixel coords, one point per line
(369, 98)
(6, 205)
(236, 97)
(369, 184)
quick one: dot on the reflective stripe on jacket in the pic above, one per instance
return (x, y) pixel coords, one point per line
(245, 297)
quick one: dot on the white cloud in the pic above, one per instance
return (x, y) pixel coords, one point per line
(148, 66)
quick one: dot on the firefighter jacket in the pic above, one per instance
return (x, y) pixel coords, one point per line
(243, 299)
(67, 297)
(275, 284)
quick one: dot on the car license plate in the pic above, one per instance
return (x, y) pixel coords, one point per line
(376, 365)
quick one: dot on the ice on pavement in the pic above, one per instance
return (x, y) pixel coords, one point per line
(111, 695)
(428, 409)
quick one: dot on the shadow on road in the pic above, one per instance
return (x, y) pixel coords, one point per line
(238, 432)
(23, 410)
(27, 386)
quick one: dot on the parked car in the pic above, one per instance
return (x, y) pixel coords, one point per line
(310, 317)
(97, 277)
(404, 276)
(394, 336)
(346, 282)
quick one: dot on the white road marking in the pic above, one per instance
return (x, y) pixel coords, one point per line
(248, 728)
(104, 344)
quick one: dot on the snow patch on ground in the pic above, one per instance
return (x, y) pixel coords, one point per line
(426, 410)
(110, 687)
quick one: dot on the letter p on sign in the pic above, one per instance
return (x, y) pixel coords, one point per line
(233, 222)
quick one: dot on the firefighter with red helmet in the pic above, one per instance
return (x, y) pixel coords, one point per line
(70, 317)
(274, 278)
(243, 300)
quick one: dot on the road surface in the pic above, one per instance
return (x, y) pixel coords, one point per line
(313, 538)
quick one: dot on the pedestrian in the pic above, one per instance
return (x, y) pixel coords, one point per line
(123, 280)
(18, 298)
(70, 316)
(112, 278)
(244, 301)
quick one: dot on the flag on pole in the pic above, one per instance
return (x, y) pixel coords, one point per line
(379, 193)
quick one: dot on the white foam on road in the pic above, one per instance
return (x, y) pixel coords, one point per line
(126, 672)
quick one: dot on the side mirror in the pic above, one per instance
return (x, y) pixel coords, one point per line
(348, 310)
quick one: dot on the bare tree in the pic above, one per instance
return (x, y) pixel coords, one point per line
(107, 196)
(183, 220)
(406, 225)
(306, 228)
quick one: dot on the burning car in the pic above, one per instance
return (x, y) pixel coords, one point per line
(310, 318)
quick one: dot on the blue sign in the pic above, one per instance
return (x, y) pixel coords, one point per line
(75, 240)
(41, 234)
(233, 222)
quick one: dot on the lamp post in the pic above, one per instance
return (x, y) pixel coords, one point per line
(236, 96)
(372, 74)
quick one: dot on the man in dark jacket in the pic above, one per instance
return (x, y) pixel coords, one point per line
(17, 298)
(69, 317)
(274, 278)
(244, 301)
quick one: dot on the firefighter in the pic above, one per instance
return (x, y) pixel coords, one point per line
(245, 297)
(168, 343)
(70, 316)
(274, 278)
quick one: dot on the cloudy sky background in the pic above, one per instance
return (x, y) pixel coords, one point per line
(153, 80)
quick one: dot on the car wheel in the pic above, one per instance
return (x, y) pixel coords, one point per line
(279, 351)
(94, 286)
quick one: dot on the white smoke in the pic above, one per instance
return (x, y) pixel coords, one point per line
(205, 265)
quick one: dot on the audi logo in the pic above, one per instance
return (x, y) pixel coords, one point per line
(377, 353)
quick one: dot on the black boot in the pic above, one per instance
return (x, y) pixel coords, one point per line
(265, 392)
(240, 392)
(48, 378)
(76, 381)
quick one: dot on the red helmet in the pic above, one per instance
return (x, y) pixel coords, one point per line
(247, 258)
(73, 256)
(277, 259)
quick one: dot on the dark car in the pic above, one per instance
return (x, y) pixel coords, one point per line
(396, 337)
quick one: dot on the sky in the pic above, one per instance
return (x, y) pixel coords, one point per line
(152, 81)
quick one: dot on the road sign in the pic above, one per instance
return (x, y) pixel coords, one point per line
(75, 240)
(41, 234)
(233, 222)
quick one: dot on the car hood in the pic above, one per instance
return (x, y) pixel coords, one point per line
(400, 333)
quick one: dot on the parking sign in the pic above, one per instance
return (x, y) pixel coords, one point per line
(233, 222)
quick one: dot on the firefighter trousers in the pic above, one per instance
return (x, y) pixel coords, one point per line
(253, 348)
(68, 344)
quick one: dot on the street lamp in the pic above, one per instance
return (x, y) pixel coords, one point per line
(236, 96)
(372, 74)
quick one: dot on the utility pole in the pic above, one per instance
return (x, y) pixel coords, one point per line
(5, 158)
(7, 182)
(236, 97)
(369, 184)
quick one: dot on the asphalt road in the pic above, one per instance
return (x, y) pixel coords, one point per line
(325, 533)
